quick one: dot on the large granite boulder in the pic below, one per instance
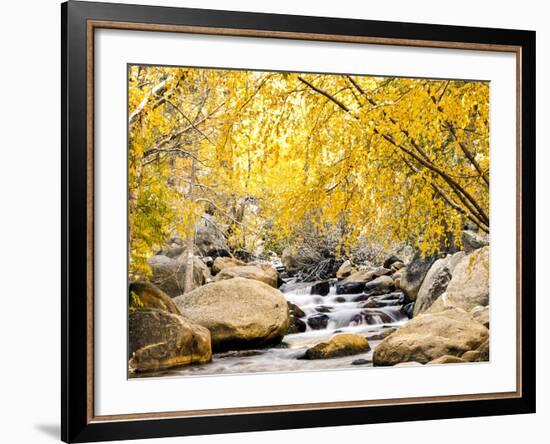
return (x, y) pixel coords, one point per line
(431, 336)
(344, 344)
(409, 279)
(225, 262)
(436, 281)
(469, 286)
(239, 312)
(160, 340)
(146, 295)
(169, 274)
(260, 272)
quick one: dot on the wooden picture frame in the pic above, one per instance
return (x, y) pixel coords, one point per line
(79, 22)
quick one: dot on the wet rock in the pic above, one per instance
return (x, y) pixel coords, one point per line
(338, 346)
(380, 285)
(340, 300)
(318, 322)
(296, 325)
(295, 310)
(146, 295)
(321, 288)
(360, 280)
(160, 340)
(360, 362)
(240, 313)
(408, 309)
(323, 309)
(430, 336)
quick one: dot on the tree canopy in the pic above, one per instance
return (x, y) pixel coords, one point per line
(272, 154)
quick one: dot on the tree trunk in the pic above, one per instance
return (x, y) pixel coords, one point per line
(190, 234)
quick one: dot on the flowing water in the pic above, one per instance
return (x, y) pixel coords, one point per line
(330, 314)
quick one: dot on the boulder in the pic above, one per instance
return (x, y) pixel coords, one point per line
(169, 274)
(471, 356)
(472, 241)
(318, 322)
(160, 340)
(260, 272)
(345, 270)
(483, 350)
(210, 237)
(434, 285)
(447, 359)
(240, 313)
(321, 288)
(409, 279)
(357, 282)
(408, 364)
(469, 286)
(380, 285)
(430, 336)
(481, 315)
(295, 325)
(339, 345)
(146, 295)
(224, 262)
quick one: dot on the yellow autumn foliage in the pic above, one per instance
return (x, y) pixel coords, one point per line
(389, 159)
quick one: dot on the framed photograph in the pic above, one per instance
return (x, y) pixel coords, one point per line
(275, 221)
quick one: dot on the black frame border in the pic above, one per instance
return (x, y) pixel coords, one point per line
(76, 426)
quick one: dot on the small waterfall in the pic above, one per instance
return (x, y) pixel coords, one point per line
(325, 315)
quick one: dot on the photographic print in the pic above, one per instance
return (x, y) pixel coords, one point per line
(290, 222)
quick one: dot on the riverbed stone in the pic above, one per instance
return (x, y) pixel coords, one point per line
(343, 344)
(430, 336)
(260, 272)
(357, 282)
(321, 288)
(160, 340)
(240, 313)
(318, 322)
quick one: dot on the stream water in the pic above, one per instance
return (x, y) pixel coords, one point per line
(330, 314)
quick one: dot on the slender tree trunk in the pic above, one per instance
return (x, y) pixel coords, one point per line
(190, 234)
